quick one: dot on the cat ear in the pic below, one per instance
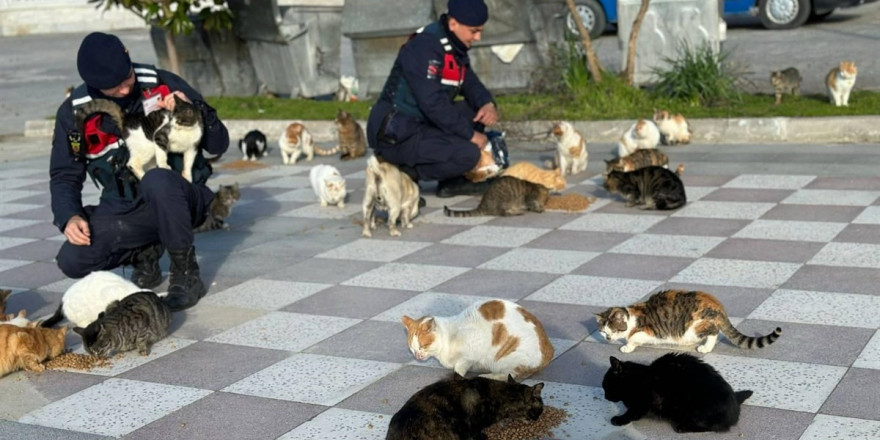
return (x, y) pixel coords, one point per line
(101, 315)
(510, 378)
(536, 390)
(429, 323)
(615, 364)
(79, 330)
(406, 320)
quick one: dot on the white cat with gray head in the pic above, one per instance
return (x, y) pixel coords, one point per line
(329, 185)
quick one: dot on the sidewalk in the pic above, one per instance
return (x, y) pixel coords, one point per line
(299, 336)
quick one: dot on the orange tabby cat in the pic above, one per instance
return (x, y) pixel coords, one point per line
(27, 348)
(840, 81)
(550, 179)
(485, 168)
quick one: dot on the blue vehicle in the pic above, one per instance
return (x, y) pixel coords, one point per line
(774, 14)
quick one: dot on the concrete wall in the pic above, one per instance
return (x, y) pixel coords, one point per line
(25, 17)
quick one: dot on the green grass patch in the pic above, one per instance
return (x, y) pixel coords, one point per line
(259, 107)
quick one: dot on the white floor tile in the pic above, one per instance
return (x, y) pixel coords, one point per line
(870, 216)
(769, 181)
(832, 197)
(326, 212)
(624, 223)
(729, 210)
(848, 254)
(284, 331)
(825, 427)
(791, 230)
(723, 272)
(589, 414)
(870, 357)
(285, 182)
(342, 424)
(418, 277)
(264, 294)
(430, 304)
(668, 245)
(12, 208)
(823, 308)
(594, 291)
(8, 242)
(497, 236)
(375, 250)
(539, 260)
(9, 224)
(131, 359)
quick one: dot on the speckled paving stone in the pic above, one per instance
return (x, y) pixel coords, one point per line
(430, 304)
(284, 331)
(841, 428)
(843, 309)
(870, 357)
(790, 230)
(760, 274)
(668, 245)
(539, 260)
(264, 294)
(342, 424)
(728, 210)
(848, 254)
(418, 277)
(623, 223)
(374, 250)
(596, 291)
(832, 197)
(499, 236)
(769, 181)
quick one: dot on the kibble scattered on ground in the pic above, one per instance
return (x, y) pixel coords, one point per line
(526, 429)
(571, 202)
(77, 361)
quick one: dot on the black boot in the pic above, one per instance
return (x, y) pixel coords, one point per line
(185, 287)
(145, 263)
(460, 186)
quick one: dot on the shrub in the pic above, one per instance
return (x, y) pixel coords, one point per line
(700, 76)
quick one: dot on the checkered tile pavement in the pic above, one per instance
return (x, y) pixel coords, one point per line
(299, 336)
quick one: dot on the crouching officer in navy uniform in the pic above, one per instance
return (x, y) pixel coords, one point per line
(416, 122)
(135, 221)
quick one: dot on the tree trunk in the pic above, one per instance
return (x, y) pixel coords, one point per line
(629, 72)
(173, 59)
(592, 60)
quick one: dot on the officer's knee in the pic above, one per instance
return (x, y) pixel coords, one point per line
(158, 181)
(69, 262)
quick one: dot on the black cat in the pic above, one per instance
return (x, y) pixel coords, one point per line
(462, 408)
(678, 387)
(253, 145)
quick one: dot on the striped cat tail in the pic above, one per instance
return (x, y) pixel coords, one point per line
(743, 341)
(98, 106)
(465, 213)
(329, 152)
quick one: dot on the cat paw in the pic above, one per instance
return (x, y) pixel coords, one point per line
(395, 233)
(409, 226)
(627, 349)
(619, 421)
(341, 204)
(703, 349)
(323, 203)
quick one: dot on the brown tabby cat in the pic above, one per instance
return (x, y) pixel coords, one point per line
(786, 81)
(27, 348)
(551, 179)
(676, 317)
(507, 196)
(648, 188)
(638, 159)
(352, 141)
(221, 208)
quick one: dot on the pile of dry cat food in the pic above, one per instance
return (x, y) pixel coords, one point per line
(571, 202)
(526, 429)
(240, 165)
(77, 361)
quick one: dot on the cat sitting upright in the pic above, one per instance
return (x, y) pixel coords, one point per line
(687, 392)
(498, 337)
(571, 149)
(460, 408)
(674, 129)
(840, 81)
(388, 189)
(352, 140)
(328, 184)
(253, 145)
(643, 134)
(676, 317)
(220, 209)
(296, 140)
(83, 301)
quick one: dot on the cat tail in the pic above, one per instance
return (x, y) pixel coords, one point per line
(329, 152)
(98, 106)
(741, 396)
(54, 319)
(743, 341)
(464, 213)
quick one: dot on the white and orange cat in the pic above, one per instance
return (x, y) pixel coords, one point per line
(296, 140)
(550, 179)
(642, 135)
(27, 348)
(674, 129)
(840, 82)
(571, 149)
(485, 167)
(497, 337)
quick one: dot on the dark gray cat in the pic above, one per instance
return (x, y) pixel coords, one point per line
(137, 321)
(648, 188)
(221, 208)
(462, 408)
(507, 196)
(786, 81)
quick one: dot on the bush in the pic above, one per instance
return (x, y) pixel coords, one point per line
(700, 77)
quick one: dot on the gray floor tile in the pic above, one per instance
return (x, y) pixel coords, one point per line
(828, 182)
(564, 321)
(350, 302)
(40, 250)
(747, 195)
(832, 197)
(791, 230)
(813, 213)
(499, 236)
(453, 255)
(204, 321)
(539, 260)
(585, 241)
(690, 179)
(388, 394)
(284, 331)
(431, 304)
(594, 291)
(859, 234)
(834, 279)
(766, 250)
(264, 294)
(242, 265)
(372, 340)
(870, 356)
(698, 226)
(689, 246)
(848, 255)
(32, 275)
(206, 365)
(322, 270)
(754, 422)
(534, 220)
(38, 230)
(418, 277)
(22, 431)
(620, 223)
(824, 308)
(726, 210)
(841, 428)
(647, 267)
(855, 395)
(226, 415)
(374, 250)
(760, 274)
(871, 215)
(496, 283)
(341, 424)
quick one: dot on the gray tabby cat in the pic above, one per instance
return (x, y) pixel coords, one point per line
(786, 81)
(221, 208)
(137, 321)
(648, 188)
(507, 196)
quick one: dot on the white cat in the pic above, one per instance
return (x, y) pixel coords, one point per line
(88, 297)
(296, 140)
(496, 336)
(328, 184)
(674, 129)
(642, 135)
(19, 320)
(840, 81)
(571, 149)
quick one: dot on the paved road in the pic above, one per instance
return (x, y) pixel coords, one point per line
(36, 69)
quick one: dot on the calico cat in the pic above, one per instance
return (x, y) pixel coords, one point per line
(328, 184)
(26, 347)
(221, 208)
(19, 319)
(352, 141)
(687, 392)
(637, 160)
(643, 134)
(786, 81)
(496, 336)
(137, 321)
(389, 189)
(552, 180)
(151, 137)
(253, 145)
(676, 317)
(674, 129)
(571, 148)
(840, 81)
(507, 196)
(648, 188)
(89, 296)
(460, 408)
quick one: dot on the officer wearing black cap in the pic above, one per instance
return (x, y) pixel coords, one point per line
(135, 221)
(416, 123)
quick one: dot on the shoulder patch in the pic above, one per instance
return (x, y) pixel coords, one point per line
(433, 68)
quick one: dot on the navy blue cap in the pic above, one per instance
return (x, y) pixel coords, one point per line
(468, 12)
(103, 61)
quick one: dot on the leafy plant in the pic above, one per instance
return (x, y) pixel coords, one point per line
(176, 16)
(700, 76)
